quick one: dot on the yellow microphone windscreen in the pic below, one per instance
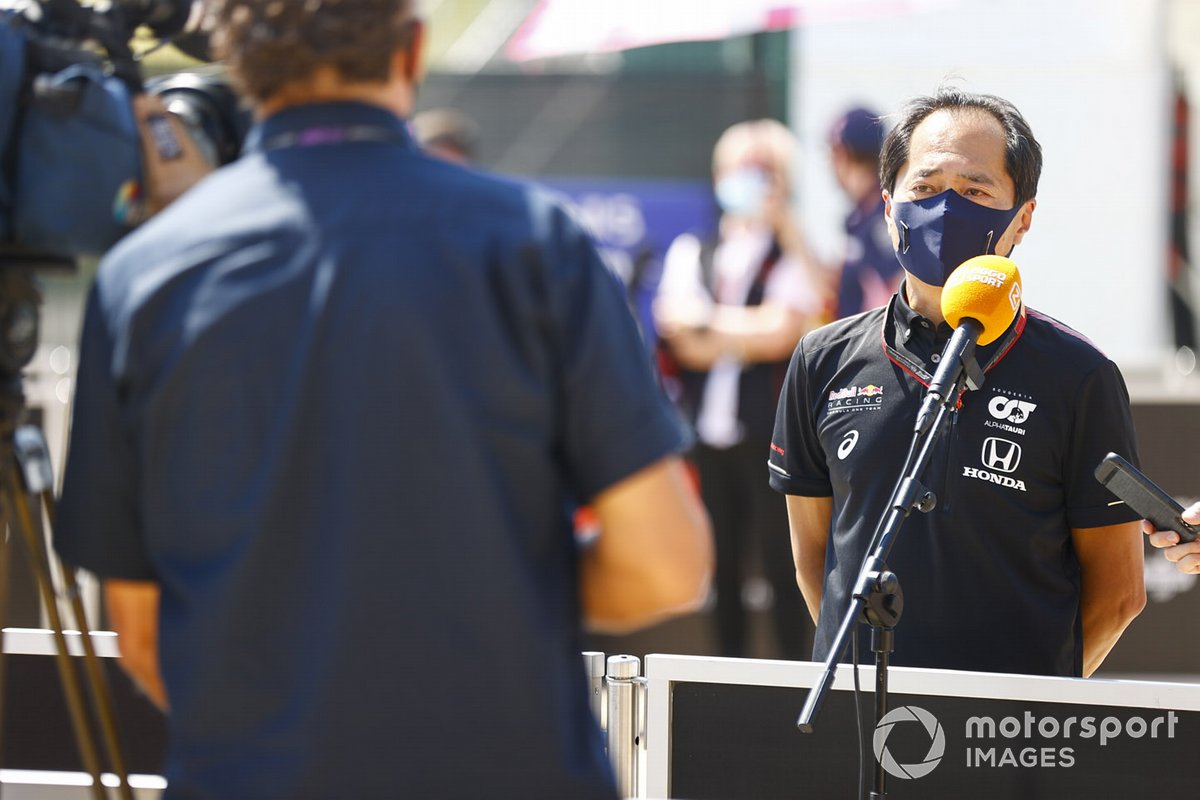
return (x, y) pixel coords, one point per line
(986, 289)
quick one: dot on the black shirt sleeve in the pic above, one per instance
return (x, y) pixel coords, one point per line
(1103, 424)
(796, 461)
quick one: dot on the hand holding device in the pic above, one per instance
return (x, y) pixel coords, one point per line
(1144, 496)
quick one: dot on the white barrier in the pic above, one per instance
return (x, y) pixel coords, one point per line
(725, 728)
(717, 727)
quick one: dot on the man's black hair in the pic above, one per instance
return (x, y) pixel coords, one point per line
(1023, 154)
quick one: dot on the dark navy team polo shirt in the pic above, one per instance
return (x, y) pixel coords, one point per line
(990, 576)
(338, 401)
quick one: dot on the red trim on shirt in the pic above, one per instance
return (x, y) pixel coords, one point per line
(996, 359)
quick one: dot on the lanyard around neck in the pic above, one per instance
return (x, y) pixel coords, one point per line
(319, 135)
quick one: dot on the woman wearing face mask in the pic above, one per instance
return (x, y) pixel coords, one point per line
(729, 312)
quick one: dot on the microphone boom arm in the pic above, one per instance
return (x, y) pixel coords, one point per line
(908, 495)
(877, 598)
(958, 364)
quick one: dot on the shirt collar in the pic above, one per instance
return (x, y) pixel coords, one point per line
(910, 327)
(347, 115)
(916, 343)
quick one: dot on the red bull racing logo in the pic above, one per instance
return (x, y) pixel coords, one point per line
(856, 398)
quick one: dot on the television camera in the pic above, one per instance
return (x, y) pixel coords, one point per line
(86, 147)
(73, 153)
(73, 175)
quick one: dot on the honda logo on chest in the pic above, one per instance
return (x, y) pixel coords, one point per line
(1001, 455)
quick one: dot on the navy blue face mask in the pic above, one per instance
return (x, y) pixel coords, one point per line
(939, 233)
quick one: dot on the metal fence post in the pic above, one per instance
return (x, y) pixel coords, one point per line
(623, 731)
(593, 667)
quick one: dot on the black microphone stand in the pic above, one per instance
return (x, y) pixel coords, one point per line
(877, 598)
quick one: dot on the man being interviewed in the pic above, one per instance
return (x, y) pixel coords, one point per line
(335, 407)
(1022, 566)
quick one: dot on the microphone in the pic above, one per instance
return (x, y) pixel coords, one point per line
(986, 289)
(981, 298)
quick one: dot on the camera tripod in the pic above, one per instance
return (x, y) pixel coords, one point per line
(25, 472)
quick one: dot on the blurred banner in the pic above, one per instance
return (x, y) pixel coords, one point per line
(634, 221)
(574, 27)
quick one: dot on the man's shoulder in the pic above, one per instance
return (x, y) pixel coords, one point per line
(512, 210)
(237, 205)
(479, 188)
(851, 330)
(451, 178)
(1061, 342)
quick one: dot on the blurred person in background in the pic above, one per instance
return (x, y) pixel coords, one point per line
(870, 272)
(1185, 556)
(448, 134)
(729, 313)
(334, 408)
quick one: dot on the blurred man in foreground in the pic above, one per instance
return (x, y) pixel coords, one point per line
(1023, 566)
(334, 408)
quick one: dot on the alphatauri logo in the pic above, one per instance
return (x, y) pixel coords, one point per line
(1010, 410)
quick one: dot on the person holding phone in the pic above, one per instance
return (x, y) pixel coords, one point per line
(1184, 555)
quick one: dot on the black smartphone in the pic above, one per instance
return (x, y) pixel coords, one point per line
(1144, 496)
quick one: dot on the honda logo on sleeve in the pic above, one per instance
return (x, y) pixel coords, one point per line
(1001, 455)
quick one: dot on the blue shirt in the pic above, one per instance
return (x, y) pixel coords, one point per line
(338, 401)
(990, 576)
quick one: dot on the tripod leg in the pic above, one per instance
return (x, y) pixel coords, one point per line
(33, 460)
(20, 518)
(96, 680)
(5, 591)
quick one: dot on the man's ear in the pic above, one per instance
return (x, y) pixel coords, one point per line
(413, 63)
(891, 223)
(1025, 219)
